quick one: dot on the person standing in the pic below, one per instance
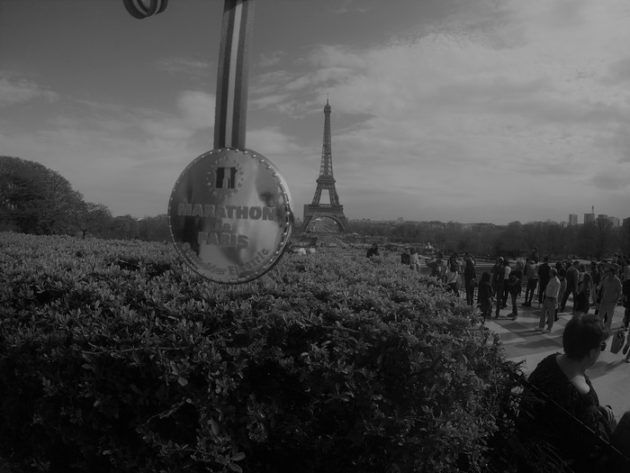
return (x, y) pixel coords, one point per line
(484, 295)
(572, 285)
(625, 296)
(543, 278)
(507, 269)
(596, 276)
(470, 279)
(550, 301)
(437, 267)
(514, 286)
(534, 255)
(452, 279)
(498, 275)
(414, 260)
(625, 291)
(583, 297)
(610, 288)
(531, 273)
(372, 251)
(562, 276)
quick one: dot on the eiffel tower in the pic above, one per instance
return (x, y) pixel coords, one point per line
(325, 181)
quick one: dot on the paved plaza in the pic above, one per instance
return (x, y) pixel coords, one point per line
(610, 375)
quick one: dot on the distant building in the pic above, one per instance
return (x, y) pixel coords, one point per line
(589, 218)
(615, 221)
(573, 219)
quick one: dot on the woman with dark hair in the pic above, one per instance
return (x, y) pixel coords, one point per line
(568, 399)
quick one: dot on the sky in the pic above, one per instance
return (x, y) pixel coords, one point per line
(451, 110)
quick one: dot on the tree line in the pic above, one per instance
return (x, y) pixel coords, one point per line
(35, 199)
(596, 240)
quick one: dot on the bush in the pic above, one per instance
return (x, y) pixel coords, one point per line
(342, 365)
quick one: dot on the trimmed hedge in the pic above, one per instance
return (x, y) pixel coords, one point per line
(113, 358)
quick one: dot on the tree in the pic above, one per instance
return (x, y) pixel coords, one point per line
(123, 227)
(587, 240)
(511, 242)
(93, 218)
(624, 236)
(606, 237)
(35, 199)
(154, 228)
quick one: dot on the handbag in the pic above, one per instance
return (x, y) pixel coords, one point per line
(617, 342)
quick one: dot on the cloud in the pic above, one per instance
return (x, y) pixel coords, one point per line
(354, 6)
(613, 179)
(14, 91)
(124, 157)
(197, 109)
(183, 65)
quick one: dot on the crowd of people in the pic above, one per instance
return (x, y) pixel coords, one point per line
(598, 286)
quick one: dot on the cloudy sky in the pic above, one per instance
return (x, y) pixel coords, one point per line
(463, 110)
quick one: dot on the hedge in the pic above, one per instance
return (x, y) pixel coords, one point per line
(114, 358)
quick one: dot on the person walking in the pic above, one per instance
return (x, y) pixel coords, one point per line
(572, 277)
(543, 278)
(470, 279)
(531, 273)
(610, 288)
(550, 302)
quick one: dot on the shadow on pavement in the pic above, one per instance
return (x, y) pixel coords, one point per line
(601, 367)
(540, 343)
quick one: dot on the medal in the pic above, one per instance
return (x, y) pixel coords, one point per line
(230, 211)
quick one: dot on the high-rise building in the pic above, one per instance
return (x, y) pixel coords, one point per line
(589, 218)
(573, 219)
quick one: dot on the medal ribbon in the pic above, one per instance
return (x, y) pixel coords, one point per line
(232, 77)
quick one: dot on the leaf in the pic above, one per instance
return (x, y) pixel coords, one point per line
(237, 457)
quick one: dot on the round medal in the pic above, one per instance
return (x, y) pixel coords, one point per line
(230, 215)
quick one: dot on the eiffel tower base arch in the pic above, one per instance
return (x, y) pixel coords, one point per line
(333, 212)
